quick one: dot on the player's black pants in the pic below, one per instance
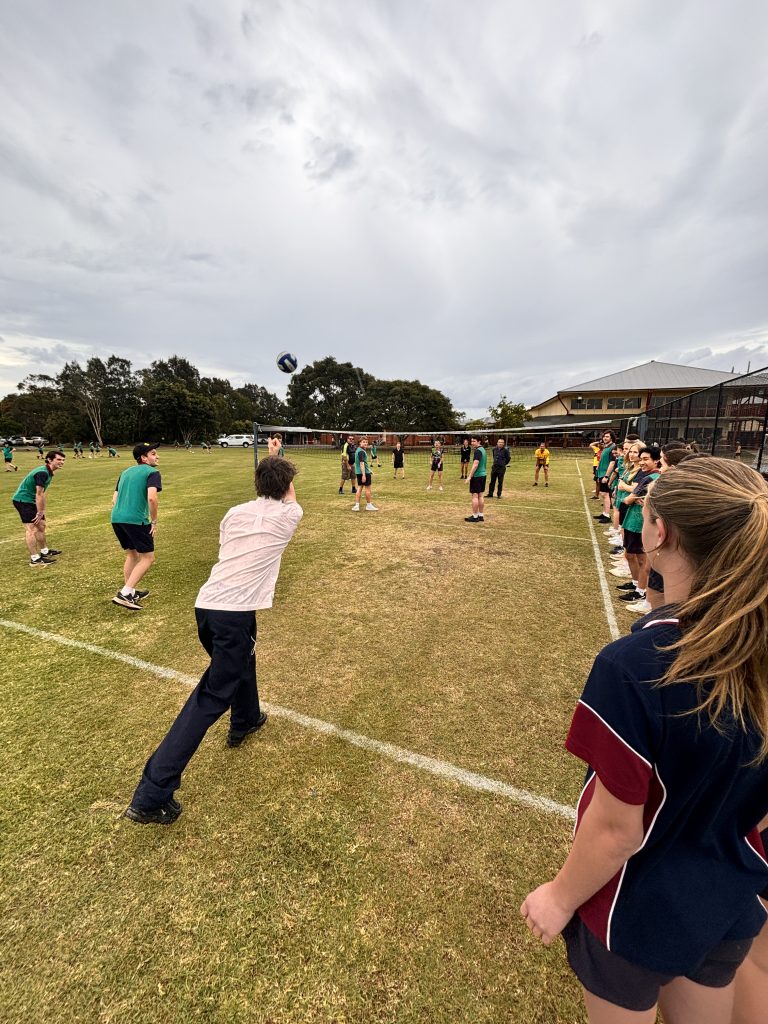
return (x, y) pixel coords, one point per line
(228, 682)
(497, 473)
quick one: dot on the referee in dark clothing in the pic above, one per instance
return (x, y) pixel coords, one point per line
(499, 468)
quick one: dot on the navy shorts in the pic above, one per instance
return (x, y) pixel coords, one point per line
(625, 984)
(477, 485)
(633, 542)
(134, 537)
(26, 509)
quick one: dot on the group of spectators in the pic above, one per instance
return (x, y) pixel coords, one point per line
(623, 474)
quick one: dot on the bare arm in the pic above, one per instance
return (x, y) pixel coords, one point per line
(153, 505)
(40, 503)
(609, 833)
(290, 494)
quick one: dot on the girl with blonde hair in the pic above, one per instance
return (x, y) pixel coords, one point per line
(658, 898)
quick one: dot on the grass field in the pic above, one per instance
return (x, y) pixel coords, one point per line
(308, 880)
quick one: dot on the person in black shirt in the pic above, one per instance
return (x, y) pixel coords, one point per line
(499, 468)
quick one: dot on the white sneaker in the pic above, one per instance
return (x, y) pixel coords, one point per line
(429, 487)
(621, 573)
(439, 488)
(355, 508)
(639, 607)
(370, 507)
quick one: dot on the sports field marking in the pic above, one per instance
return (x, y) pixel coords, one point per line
(613, 626)
(442, 769)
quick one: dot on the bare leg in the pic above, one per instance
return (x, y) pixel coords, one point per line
(131, 558)
(600, 1011)
(34, 535)
(684, 1002)
(752, 984)
(144, 561)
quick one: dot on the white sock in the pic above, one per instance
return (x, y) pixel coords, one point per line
(35, 558)
(43, 551)
(127, 591)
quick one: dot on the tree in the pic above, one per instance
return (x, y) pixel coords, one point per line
(263, 406)
(325, 394)
(107, 392)
(174, 412)
(507, 414)
(402, 405)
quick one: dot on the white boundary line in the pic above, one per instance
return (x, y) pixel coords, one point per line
(443, 769)
(613, 626)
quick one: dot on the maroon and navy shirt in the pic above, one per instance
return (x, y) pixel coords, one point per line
(693, 883)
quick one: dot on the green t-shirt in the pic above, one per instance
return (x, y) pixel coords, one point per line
(7, 452)
(607, 456)
(633, 520)
(27, 489)
(481, 458)
(361, 462)
(132, 505)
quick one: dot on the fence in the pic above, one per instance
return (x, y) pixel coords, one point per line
(728, 419)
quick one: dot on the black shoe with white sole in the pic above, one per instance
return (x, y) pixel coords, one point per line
(141, 594)
(631, 595)
(629, 585)
(127, 601)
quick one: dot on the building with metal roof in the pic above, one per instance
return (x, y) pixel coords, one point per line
(626, 394)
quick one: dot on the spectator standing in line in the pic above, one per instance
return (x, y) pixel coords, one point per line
(658, 898)
(605, 469)
(499, 467)
(597, 448)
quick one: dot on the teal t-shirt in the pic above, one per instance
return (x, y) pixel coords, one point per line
(132, 505)
(633, 520)
(481, 458)
(7, 452)
(361, 462)
(27, 489)
(605, 460)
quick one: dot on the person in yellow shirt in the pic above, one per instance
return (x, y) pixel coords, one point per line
(542, 462)
(597, 448)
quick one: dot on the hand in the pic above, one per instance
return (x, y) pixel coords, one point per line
(152, 529)
(543, 914)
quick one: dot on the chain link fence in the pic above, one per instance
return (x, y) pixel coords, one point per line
(729, 419)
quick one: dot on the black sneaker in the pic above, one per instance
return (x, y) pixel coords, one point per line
(166, 814)
(129, 601)
(618, 550)
(629, 585)
(631, 595)
(471, 519)
(41, 561)
(234, 739)
(50, 552)
(602, 519)
(141, 594)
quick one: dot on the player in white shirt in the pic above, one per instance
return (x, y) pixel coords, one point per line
(252, 539)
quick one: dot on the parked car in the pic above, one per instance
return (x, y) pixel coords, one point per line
(18, 442)
(236, 440)
(38, 440)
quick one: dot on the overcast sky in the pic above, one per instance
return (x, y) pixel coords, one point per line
(491, 197)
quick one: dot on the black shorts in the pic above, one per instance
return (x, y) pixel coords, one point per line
(6, 461)
(465, 458)
(398, 463)
(604, 488)
(622, 983)
(594, 473)
(623, 509)
(367, 480)
(656, 581)
(477, 485)
(633, 542)
(26, 509)
(437, 467)
(134, 537)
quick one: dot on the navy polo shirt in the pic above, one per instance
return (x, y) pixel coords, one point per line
(694, 881)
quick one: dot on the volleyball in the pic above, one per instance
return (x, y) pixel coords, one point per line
(287, 362)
